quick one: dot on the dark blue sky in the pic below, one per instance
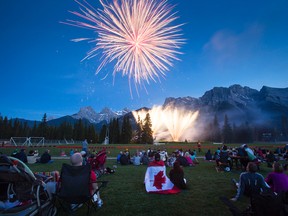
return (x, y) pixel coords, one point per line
(227, 42)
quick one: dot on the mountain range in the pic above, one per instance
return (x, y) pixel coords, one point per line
(240, 104)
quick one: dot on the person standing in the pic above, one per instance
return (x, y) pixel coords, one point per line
(85, 145)
(199, 146)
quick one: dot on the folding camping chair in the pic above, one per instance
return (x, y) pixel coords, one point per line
(74, 188)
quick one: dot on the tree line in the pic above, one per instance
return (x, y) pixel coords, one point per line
(245, 133)
(117, 133)
(141, 133)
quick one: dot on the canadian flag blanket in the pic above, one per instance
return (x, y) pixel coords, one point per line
(156, 181)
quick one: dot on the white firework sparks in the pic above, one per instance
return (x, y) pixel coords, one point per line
(138, 35)
(170, 124)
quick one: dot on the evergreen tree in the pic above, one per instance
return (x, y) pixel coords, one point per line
(227, 131)
(243, 133)
(126, 131)
(102, 134)
(7, 126)
(139, 131)
(17, 127)
(117, 131)
(26, 130)
(216, 132)
(114, 131)
(147, 134)
(1, 127)
(65, 131)
(208, 134)
(91, 134)
(79, 130)
(51, 133)
(34, 130)
(42, 128)
(284, 127)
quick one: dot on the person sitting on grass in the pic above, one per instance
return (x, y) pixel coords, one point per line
(189, 159)
(277, 180)
(144, 159)
(250, 182)
(176, 176)
(45, 157)
(171, 159)
(32, 157)
(118, 157)
(182, 160)
(22, 155)
(193, 157)
(224, 157)
(208, 155)
(136, 159)
(71, 152)
(270, 158)
(157, 161)
(63, 154)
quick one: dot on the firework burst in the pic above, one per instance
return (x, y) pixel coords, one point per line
(138, 36)
(170, 123)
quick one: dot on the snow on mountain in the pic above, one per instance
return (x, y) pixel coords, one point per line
(92, 116)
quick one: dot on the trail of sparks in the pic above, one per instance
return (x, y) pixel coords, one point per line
(138, 35)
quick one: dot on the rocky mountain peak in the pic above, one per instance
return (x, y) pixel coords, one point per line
(231, 95)
(92, 116)
(239, 103)
(183, 102)
(275, 95)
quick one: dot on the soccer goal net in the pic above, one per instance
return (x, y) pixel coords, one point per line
(27, 141)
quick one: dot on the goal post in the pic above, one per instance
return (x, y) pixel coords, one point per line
(37, 141)
(19, 140)
(27, 141)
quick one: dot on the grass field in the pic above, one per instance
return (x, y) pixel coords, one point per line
(125, 194)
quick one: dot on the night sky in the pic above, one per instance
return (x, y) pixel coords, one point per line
(227, 42)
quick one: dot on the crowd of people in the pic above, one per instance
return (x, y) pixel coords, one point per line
(245, 158)
(238, 158)
(143, 157)
(33, 156)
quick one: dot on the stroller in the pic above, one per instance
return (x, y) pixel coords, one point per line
(97, 162)
(21, 192)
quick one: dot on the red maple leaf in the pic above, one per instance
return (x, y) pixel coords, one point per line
(159, 179)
